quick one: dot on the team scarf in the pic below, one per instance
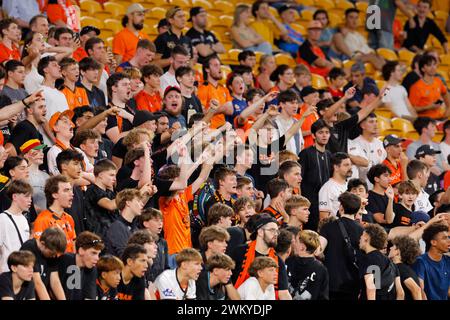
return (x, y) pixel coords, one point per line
(71, 14)
(250, 255)
(235, 220)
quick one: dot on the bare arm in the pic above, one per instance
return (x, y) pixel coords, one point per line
(284, 295)
(17, 107)
(94, 121)
(414, 288)
(399, 289)
(359, 161)
(349, 93)
(56, 286)
(146, 177)
(108, 204)
(446, 98)
(295, 128)
(370, 287)
(204, 174)
(232, 293)
(41, 290)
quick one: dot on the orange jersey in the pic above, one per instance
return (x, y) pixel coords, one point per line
(274, 213)
(396, 172)
(9, 54)
(125, 43)
(80, 54)
(244, 130)
(145, 101)
(422, 94)
(206, 92)
(446, 180)
(177, 223)
(307, 123)
(77, 98)
(47, 219)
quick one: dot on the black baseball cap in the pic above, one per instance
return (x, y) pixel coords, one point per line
(426, 149)
(142, 116)
(284, 8)
(163, 23)
(307, 91)
(195, 11)
(87, 29)
(391, 140)
(258, 221)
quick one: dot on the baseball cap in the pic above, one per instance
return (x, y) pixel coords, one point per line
(419, 216)
(136, 7)
(87, 29)
(195, 11)
(307, 91)
(424, 150)
(57, 115)
(258, 221)
(32, 144)
(163, 23)
(171, 12)
(315, 24)
(284, 8)
(391, 140)
(142, 116)
(171, 88)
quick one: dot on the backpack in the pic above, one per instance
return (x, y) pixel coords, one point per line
(197, 211)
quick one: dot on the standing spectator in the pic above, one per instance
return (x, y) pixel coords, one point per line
(10, 33)
(220, 215)
(185, 76)
(59, 195)
(14, 227)
(297, 207)
(308, 277)
(125, 42)
(63, 13)
(302, 78)
(149, 98)
(291, 172)
(427, 155)
(167, 41)
(179, 57)
(426, 128)
(429, 94)
(89, 70)
(239, 234)
(381, 197)
(86, 33)
(247, 58)
(417, 33)
(337, 184)
(109, 269)
(17, 284)
(433, 267)
(75, 96)
(372, 242)
(132, 284)
(418, 173)
(337, 82)
(203, 40)
(396, 160)
(279, 192)
(403, 253)
(261, 283)
(311, 55)
(341, 249)
(144, 55)
(15, 76)
(396, 98)
(213, 240)
(244, 36)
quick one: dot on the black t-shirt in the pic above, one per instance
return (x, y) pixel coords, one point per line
(78, 283)
(128, 183)
(6, 288)
(308, 278)
(212, 201)
(77, 210)
(5, 204)
(44, 266)
(306, 53)
(98, 219)
(109, 294)
(96, 96)
(23, 132)
(402, 215)
(238, 255)
(191, 106)
(388, 273)
(377, 203)
(433, 184)
(119, 149)
(134, 290)
(407, 272)
(207, 37)
(262, 170)
(105, 147)
(340, 134)
(344, 277)
(166, 41)
(237, 238)
(126, 124)
(205, 292)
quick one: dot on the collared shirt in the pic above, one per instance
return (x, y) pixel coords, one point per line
(168, 40)
(205, 37)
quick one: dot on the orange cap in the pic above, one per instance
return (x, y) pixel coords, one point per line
(57, 115)
(315, 24)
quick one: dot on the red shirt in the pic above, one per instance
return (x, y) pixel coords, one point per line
(9, 54)
(145, 101)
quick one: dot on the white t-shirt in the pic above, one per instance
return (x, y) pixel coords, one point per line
(166, 80)
(329, 194)
(445, 151)
(55, 101)
(33, 80)
(292, 145)
(168, 287)
(356, 42)
(102, 84)
(51, 159)
(396, 97)
(422, 202)
(354, 149)
(372, 151)
(251, 290)
(9, 239)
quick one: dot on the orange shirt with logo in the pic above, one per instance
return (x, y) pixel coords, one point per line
(207, 92)
(396, 172)
(77, 98)
(47, 219)
(307, 123)
(422, 94)
(145, 101)
(177, 223)
(79, 54)
(125, 43)
(9, 54)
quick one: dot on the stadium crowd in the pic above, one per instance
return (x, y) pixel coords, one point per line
(280, 160)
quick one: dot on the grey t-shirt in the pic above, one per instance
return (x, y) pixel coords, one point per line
(37, 181)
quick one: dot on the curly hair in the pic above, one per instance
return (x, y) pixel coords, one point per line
(378, 236)
(431, 232)
(408, 247)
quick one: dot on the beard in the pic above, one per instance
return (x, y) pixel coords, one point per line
(174, 113)
(270, 243)
(138, 26)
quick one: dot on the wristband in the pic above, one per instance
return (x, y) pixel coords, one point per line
(24, 103)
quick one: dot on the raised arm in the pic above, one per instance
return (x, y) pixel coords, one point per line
(349, 93)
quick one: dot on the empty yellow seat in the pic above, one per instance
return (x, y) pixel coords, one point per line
(233, 54)
(113, 24)
(307, 15)
(226, 20)
(325, 4)
(202, 3)
(180, 3)
(116, 10)
(157, 13)
(362, 6)
(383, 123)
(318, 82)
(90, 21)
(283, 58)
(344, 4)
(90, 6)
(387, 54)
(406, 56)
(384, 112)
(224, 6)
(402, 125)
(380, 84)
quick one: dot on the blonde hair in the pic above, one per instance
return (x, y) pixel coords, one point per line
(132, 73)
(310, 239)
(295, 202)
(237, 14)
(261, 263)
(133, 137)
(188, 254)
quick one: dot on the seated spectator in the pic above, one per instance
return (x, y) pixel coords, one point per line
(265, 24)
(144, 55)
(163, 26)
(360, 81)
(125, 42)
(149, 98)
(167, 41)
(260, 284)
(18, 284)
(292, 40)
(267, 65)
(244, 36)
(247, 58)
(203, 40)
(244, 207)
(132, 284)
(429, 95)
(326, 37)
(283, 77)
(352, 44)
(10, 34)
(311, 55)
(109, 269)
(337, 82)
(22, 12)
(213, 240)
(422, 27)
(220, 215)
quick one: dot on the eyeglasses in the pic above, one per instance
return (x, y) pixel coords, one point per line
(273, 230)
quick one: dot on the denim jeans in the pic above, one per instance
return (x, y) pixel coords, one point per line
(381, 39)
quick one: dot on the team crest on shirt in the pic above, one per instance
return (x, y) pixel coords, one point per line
(171, 44)
(168, 293)
(80, 100)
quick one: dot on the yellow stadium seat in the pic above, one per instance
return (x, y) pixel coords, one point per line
(113, 24)
(90, 6)
(370, 69)
(226, 70)
(212, 20)
(413, 135)
(325, 4)
(224, 6)
(202, 3)
(283, 58)
(307, 15)
(117, 10)
(226, 20)
(380, 83)
(383, 123)
(348, 64)
(406, 56)
(402, 125)
(343, 4)
(157, 13)
(299, 28)
(308, 3)
(103, 15)
(387, 54)
(106, 33)
(90, 21)
(438, 137)
(445, 59)
(258, 55)
(180, 3)
(233, 54)
(109, 41)
(362, 6)
(384, 112)
(318, 82)
(391, 131)
(335, 19)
